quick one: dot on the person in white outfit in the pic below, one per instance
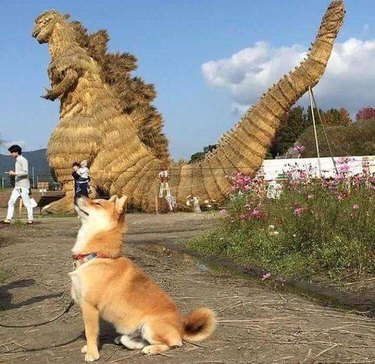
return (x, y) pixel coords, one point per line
(22, 185)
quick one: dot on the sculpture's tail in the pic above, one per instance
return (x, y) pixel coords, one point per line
(244, 147)
(241, 149)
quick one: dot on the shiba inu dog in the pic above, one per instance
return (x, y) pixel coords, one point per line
(106, 284)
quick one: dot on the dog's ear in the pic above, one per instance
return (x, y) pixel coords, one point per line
(113, 198)
(120, 204)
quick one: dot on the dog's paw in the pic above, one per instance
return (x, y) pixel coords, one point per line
(147, 350)
(154, 349)
(92, 356)
(84, 349)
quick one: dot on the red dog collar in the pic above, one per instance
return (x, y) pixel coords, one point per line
(80, 259)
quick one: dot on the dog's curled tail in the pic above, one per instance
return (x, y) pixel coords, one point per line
(199, 324)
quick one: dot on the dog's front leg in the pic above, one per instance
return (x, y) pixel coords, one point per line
(91, 321)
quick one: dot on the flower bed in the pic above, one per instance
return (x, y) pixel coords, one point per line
(312, 228)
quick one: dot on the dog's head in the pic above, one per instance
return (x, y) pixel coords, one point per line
(104, 214)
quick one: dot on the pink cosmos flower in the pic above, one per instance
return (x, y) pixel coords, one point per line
(344, 168)
(298, 211)
(266, 276)
(299, 148)
(355, 207)
(244, 217)
(223, 212)
(256, 214)
(309, 197)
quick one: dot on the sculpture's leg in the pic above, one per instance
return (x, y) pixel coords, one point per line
(63, 206)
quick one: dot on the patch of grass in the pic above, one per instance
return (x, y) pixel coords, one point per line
(2, 276)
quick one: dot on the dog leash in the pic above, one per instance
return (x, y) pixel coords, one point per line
(26, 349)
(66, 310)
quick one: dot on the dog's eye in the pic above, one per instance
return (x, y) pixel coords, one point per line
(98, 203)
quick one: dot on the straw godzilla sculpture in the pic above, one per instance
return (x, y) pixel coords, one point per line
(106, 117)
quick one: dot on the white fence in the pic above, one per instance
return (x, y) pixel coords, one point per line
(277, 168)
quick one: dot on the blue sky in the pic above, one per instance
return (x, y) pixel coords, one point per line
(172, 41)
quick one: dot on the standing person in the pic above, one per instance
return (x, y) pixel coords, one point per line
(22, 185)
(81, 175)
(164, 187)
(75, 175)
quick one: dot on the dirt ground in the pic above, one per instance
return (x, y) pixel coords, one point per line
(256, 324)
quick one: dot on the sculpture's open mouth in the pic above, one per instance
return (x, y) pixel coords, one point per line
(35, 33)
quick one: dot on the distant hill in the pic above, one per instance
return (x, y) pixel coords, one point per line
(37, 159)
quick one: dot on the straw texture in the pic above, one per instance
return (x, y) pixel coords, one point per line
(106, 117)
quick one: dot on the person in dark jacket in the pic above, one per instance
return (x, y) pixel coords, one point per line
(81, 179)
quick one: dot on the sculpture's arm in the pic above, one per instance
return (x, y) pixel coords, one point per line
(57, 90)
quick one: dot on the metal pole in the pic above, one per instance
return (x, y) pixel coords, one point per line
(315, 134)
(325, 134)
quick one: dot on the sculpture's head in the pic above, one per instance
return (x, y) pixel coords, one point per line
(45, 23)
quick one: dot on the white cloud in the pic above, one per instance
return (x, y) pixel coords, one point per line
(349, 80)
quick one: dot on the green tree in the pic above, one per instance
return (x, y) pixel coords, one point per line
(308, 116)
(336, 117)
(200, 155)
(296, 121)
(197, 157)
(292, 125)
